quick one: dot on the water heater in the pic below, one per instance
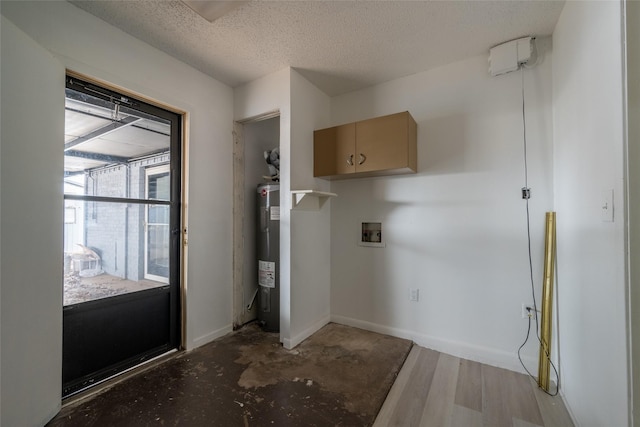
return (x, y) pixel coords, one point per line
(268, 256)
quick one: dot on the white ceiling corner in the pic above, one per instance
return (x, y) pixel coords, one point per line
(340, 46)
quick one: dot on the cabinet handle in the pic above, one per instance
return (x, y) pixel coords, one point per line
(363, 159)
(350, 160)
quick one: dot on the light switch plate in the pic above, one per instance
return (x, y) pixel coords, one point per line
(607, 206)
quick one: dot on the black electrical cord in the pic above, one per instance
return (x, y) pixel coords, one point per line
(526, 193)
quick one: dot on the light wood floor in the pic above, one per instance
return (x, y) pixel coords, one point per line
(436, 389)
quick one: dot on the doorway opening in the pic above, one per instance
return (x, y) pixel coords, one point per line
(252, 139)
(122, 181)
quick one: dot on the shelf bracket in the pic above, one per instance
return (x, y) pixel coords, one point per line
(309, 200)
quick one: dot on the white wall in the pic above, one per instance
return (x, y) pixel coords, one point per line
(85, 44)
(257, 98)
(456, 230)
(31, 228)
(633, 203)
(588, 153)
(310, 230)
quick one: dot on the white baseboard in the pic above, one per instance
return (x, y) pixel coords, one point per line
(569, 410)
(206, 339)
(290, 343)
(486, 355)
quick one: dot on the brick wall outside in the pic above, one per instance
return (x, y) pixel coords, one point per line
(116, 230)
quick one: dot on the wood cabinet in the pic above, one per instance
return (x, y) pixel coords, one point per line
(334, 150)
(380, 146)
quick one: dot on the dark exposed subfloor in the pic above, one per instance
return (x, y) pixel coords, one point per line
(340, 376)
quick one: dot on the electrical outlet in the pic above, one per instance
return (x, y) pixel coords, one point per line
(414, 294)
(527, 313)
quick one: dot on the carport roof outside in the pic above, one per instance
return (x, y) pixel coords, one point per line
(100, 133)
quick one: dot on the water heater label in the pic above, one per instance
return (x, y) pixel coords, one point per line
(267, 274)
(275, 213)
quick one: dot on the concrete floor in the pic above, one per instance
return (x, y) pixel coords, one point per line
(338, 377)
(82, 289)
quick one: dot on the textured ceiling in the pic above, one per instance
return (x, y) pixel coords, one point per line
(340, 46)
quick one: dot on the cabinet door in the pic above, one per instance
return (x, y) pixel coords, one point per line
(334, 150)
(382, 143)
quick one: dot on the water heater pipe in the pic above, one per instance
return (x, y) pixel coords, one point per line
(547, 301)
(250, 305)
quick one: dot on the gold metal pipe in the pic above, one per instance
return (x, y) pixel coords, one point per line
(547, 301)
